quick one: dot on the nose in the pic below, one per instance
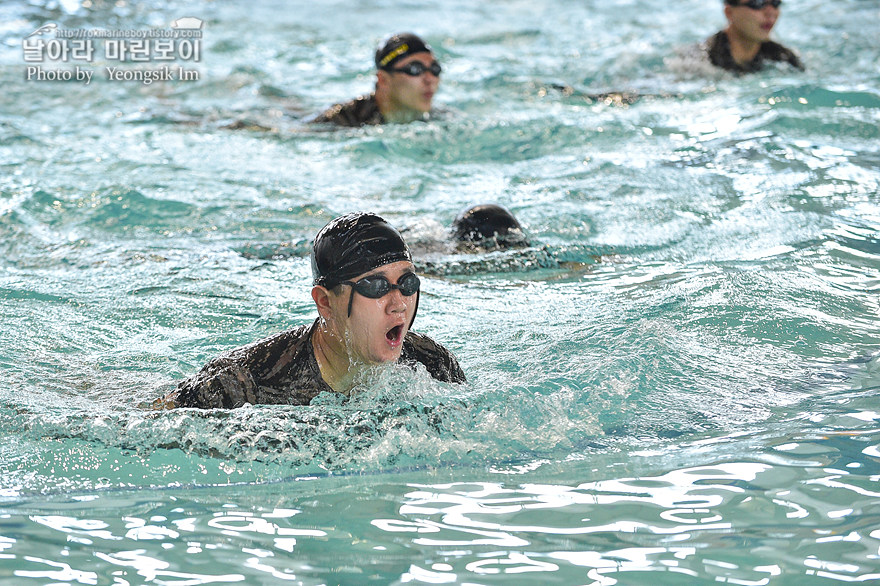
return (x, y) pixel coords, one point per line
(396, 302)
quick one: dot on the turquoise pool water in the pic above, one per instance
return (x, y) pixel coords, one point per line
(677, 384)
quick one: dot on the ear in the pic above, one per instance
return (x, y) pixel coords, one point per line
(321, 296)
(383, 78)
(727, 11)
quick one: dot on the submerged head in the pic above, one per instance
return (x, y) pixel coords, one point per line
(365, 286)
(407, 77)
(751, 20)
(488, 227)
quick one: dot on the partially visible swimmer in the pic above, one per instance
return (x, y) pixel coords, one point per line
(487, 238)
(745, 45)
(366, 292)
(483, 238)
(479, 228)
(488, 227)
(407, 77)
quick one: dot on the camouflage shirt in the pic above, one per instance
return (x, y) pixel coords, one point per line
(282, 370)
(358, 112)
(718, 49)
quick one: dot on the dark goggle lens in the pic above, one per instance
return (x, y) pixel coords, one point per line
(417, 68)
(759, 4)
(376, 287)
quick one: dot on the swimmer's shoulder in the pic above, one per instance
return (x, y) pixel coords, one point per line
(360, 111)
(717, 50)
(440, 363)
(262, 355)
(238, 376)
(773, 51)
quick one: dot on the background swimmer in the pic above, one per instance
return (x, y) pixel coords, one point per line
(483, 238)
(481, 227)
(745, 45)
(487, 238)
(488, 227)
(407, 77)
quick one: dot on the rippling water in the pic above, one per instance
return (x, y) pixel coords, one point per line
(676, 383)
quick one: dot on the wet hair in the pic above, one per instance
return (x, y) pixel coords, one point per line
(397, 47)
(354, 244)
(488, 226)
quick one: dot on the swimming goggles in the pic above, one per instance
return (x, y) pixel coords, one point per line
(759, 4)
(378, 287)
(417, 68)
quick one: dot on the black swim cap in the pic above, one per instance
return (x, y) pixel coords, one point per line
(354, 244)
(397, 47)
(488, 226)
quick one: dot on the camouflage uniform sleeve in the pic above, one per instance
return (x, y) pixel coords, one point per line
(221, 384)
(280, 369)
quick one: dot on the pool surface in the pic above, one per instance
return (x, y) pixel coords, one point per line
(676, 383)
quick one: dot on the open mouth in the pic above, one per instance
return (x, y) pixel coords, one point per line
(394, 334)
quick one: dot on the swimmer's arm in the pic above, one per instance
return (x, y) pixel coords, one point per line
(221, 384)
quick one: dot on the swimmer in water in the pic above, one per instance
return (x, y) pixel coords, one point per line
(407, 77)
(745, 45)
(486, 238)
(366, 292)
(488, 227)
(479, 228)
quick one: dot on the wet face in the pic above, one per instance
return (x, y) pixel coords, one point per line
(750, 24)
(412, 94)
(374, 331)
